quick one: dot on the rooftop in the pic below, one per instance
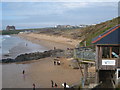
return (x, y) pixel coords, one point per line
(111, 36)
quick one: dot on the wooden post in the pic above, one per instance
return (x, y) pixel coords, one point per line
(85, 72)
(100, 54)
(97, 77)
(96, 63)
(85, 44)
(110, 52)
(75, 56)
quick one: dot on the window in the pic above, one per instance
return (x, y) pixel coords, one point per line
(110, 51)
(115, 52)
(106, 52)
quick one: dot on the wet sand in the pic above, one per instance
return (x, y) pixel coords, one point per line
(39, 72)
(24, 47)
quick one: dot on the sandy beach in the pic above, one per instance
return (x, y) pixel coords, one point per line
(39, 72)
(51, 41)
(42, 71)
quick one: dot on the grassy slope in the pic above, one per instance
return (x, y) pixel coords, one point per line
(99, 29)
(5, 32)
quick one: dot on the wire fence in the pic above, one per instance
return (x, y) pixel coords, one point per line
(84, 53)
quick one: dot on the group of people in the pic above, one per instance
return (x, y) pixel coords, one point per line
(53, 84)
(57, 62)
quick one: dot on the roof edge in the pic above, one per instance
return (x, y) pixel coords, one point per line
(106, 34)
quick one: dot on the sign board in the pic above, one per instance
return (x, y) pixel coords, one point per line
(108, 62)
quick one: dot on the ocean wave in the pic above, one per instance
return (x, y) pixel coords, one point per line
(1, 40)
(7, 36)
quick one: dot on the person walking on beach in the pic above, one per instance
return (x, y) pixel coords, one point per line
(54, 48)
(23, 72)
(52, 83)
(58, 62)
(54, 62)
(65, 85)
(33, 86)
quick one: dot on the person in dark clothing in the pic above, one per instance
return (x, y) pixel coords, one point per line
(54, 62)
(55, 84)
(64, 85)
(58, 62)
(33, 86)
(52, 83)
(54, 48)
(23, 71)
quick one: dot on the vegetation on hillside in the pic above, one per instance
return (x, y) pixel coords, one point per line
(6, 32)
(93, 31)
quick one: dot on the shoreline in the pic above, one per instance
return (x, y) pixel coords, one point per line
(22, 47)
(50, 41)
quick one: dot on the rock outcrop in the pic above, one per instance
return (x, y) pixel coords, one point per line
(32, 56)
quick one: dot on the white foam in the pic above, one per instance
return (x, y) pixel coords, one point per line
(8, 36)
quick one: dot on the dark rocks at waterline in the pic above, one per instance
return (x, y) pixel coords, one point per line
(32, 56)
(8, 60)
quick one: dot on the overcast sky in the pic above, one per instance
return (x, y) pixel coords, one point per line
(48, 14)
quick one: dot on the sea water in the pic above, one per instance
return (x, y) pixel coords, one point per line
(8, 42)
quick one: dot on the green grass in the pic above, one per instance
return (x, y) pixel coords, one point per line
(6, 32)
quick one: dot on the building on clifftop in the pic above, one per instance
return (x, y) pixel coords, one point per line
(10, 27)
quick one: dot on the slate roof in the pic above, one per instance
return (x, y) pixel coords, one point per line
(111, 36)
